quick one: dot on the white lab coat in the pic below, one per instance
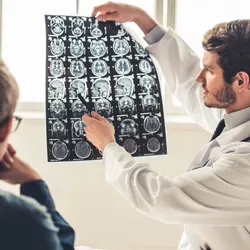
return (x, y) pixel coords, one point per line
(212, 201)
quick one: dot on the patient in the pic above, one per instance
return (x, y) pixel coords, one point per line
(28, 222)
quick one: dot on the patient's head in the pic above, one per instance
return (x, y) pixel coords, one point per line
(8, 100)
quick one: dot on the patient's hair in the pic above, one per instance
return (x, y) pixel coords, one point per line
(231, 40)
(8, 92)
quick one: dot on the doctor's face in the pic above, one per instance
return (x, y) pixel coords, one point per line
(217, 93)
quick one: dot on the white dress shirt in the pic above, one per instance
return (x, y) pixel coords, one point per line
(212, 200)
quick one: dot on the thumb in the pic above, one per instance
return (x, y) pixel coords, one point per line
(96, 115)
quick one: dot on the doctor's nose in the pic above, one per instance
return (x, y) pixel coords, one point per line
(200, 78)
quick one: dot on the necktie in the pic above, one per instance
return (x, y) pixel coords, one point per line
(219, 129)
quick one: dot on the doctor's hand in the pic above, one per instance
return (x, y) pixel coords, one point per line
(14, 170)
(99, 131)
(121, 12)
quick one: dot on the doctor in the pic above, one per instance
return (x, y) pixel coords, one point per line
(212, 200)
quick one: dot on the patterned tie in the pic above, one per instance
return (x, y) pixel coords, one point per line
(219, 129)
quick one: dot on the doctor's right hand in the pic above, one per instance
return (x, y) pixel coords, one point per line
(121, 12)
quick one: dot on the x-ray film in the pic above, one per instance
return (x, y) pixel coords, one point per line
(98, 66)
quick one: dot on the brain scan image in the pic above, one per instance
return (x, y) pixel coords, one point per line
(101, 88)
(145, 66)
(79, 128)
(77, 26)
(121, 46)
(77, 87)
(57, 46)
(124, 86)
(58, 129)
(57, 109)
(94, 30)
(140, 50)
(103, 107)
(147, 84)
(126, 105)
(83, 150)
(123, 66)
(56, 67)
(130, 146)
(77, 68)
(99, 68)
(151, 124)
(57, 26)
(128, 127)
(78, 109)
(56, 89)
(149, 104)
(153, 145)
(60, 150)
(76, 48)
(98, 48)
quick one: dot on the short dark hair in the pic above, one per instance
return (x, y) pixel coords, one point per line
(8, 92)
(231, 40)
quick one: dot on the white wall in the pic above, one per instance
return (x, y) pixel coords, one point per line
(100, 216)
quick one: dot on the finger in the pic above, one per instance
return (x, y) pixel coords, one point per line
(96, 115)
(106, 7)
(8, 158)
(4, 165)
(108, 17)
(11, 150)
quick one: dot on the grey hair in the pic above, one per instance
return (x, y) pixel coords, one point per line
(9, 92)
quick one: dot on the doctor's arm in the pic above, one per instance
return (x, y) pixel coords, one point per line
(216, 195)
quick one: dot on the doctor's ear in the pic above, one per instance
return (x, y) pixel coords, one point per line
(242, 79)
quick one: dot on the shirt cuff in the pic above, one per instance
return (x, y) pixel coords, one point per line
(155, 35)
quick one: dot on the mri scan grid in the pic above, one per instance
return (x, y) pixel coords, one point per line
(98, 66)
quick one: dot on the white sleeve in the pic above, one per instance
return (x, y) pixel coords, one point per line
(180, 66)
(217, 195)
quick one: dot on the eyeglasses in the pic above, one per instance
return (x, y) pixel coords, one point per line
(15, 123)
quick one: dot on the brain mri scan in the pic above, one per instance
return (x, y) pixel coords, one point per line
(151, 124)
(130, 145)
(101, 88)
(77, 87)
(122, 66)
(99, 66)
(145, 66)
(103, 107)
(83, 150)
(121, 46)
(76, 48)
(98, 48)
(56, 67)
(77, 68)
(148, 84)
(56, 89)
(59, 150)
(124, 86)
(126, 105)
(78, 109)
(57, 25)
(94, 30)
(77, 26)
(149, 104)
(57, 109)
(57, 46)
(153, 145)
(128, 127)
(79, 128)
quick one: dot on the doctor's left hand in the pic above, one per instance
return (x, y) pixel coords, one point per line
(99, 131)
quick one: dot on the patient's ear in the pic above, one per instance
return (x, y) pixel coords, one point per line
(5, 130)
